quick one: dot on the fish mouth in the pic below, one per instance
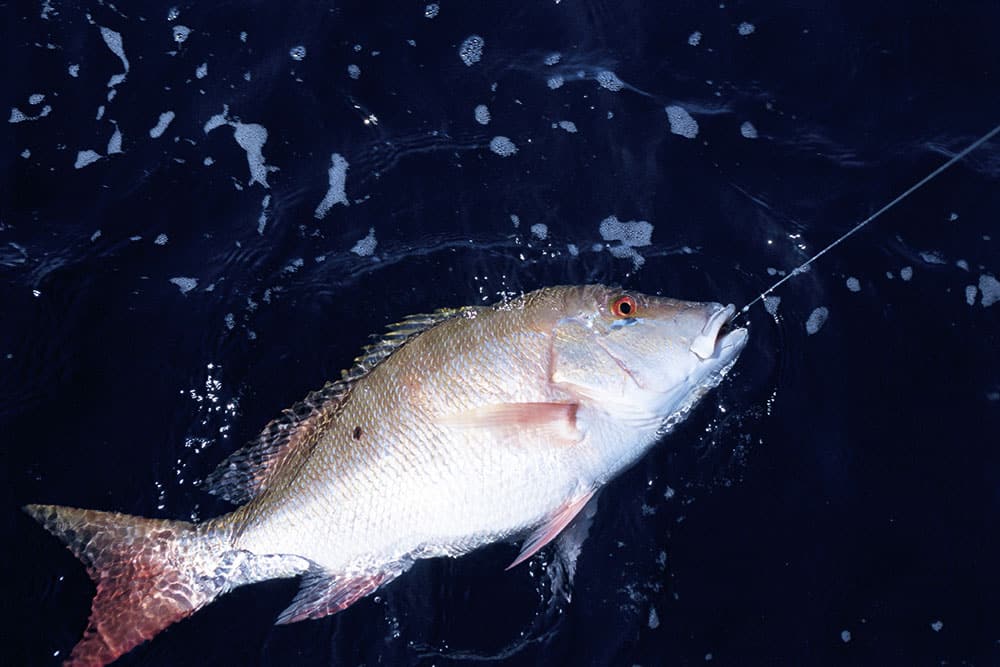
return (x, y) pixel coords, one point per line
(720, 337)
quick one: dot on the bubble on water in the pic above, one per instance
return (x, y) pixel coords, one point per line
(84, 158)
(161, 239)
(553, 59)
(502, 146)
(173, 13)
(515, 220)
(482, 114)
(970, 294)
(962, 264)
(540, 231)
(771, 304)
(989, 288)
(26, 153)
(431, 10)
(74, 71)
(202, 71)
(555, 81)
(471, 50)
(185, 284)
(161, 125)
(572, 249)
(181, 33)
(746, 28)
(568, 125)
(297, 52)
(115, 142)
(654, 620)
(36, 98)
(748, 130)
(906, 272)
(608, 79)
(631, 234)
(208, 161)
(681, 122)
(936, 626)
(845, 636)
(366, 246)
(336, 193)
(952, 217)
(853, 284)
(354, 71)
(816, 320)
(694, 39)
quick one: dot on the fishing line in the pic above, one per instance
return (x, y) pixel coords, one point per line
(913, 188)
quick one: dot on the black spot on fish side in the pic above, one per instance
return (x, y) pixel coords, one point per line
(357, 432)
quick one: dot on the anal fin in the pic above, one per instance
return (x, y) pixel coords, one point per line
(323, 593)
(549, 530)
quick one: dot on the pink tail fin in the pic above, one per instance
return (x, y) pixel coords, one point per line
(149, 573)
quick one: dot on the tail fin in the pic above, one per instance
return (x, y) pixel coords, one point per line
(149, 573)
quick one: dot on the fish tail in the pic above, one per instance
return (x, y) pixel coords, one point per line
(149, 574)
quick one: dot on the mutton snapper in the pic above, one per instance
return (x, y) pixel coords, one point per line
(457, 429)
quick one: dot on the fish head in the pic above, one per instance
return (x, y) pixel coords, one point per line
(641, 359)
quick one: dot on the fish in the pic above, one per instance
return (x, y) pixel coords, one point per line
(456, 429)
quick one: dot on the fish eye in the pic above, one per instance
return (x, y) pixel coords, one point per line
(623, 306)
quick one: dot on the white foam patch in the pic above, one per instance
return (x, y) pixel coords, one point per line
(74, 71)
(568, 125)
(115, 142)
(555, 82)
(18, 116)
(515, 220)
(540, 231)
(989, 288)
(746, 28)
(932, 257)
(262, 219)
(297, 52)
(572, 249)
(482, 114)
(817, 318)
(471, 50)
(936, 626)
(853, 284)
(164, 121)
(336, 192)
(694, 39)
(202, 71)
(608, 79)
(906, 272)
(84, 158)
(962, 264)
(502, 146)
(114, 42)
(218, 120)
(681, 122)
(553, 58)
(251, 138)
(354, 71)
(181, 33)
(26, 153)
(970, 294)
(748, 130)
(366, 246)
(845, 636)
(654, 620)
(631, 234)
(771, 304)
(96, 235)
(185, 284)
(36, 98)
(431, 10)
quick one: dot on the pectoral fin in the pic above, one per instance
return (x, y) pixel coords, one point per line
(549, 530)
(558, 419)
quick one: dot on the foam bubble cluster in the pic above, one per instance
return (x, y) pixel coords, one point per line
(681, 122)
(748, 130)
(482, 114)
(502, 146)
(471, 50)
(608, 79)
(816, 320)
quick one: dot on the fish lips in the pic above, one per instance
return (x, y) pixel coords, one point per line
(720, 338)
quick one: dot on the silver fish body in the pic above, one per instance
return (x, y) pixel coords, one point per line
(459, 429)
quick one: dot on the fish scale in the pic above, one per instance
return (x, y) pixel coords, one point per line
(457, 429)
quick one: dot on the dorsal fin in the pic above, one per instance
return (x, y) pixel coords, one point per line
(287, 441)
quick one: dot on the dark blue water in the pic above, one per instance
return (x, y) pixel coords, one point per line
(835, 501)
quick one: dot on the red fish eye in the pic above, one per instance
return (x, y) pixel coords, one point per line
(623, 306)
